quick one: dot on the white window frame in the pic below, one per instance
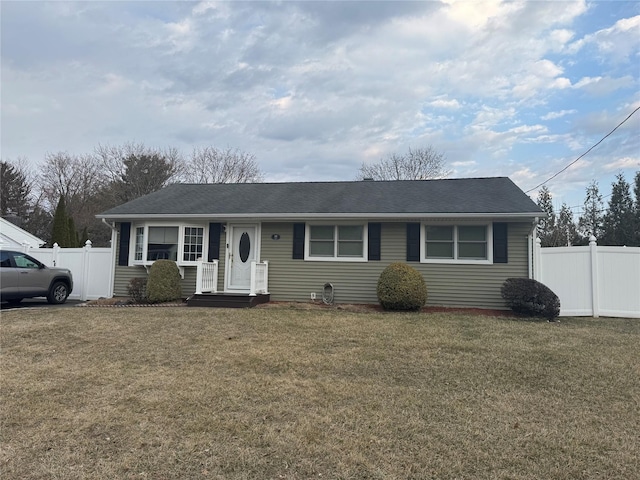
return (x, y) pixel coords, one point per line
(455, 259)
(335, 257)
(181, 232)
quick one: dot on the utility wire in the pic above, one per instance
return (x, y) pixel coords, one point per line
(594, 146)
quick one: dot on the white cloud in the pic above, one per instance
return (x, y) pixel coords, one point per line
(615, 44)
(600, 86)
(468, 163)
(623, 163)
(558, 114)
(443, 103)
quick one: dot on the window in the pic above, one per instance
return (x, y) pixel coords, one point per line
(25, 261)
(162, 244)
(192, 249)
(139, 250)
(5, 260)
(439, 242)
(472, 242)
(182, 244)
(457, 243)
(336, 242)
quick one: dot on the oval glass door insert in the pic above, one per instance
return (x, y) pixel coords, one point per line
(244, 247)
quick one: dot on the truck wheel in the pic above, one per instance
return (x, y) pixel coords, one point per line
(58, 293)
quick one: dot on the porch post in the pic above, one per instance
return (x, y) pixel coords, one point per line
(199, 277)
(252, 287)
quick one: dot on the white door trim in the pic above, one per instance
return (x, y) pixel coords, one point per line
(229, 250)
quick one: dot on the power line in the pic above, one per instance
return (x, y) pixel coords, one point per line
(592, 147)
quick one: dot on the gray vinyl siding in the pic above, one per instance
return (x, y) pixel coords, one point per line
(453, 285)
(355, 282)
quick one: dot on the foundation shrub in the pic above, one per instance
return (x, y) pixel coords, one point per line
(137, 289)
(163, 284)
(529, 297)
(401, 287)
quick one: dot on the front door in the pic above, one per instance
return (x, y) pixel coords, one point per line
(243, 250)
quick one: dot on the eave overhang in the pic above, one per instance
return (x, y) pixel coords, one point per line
(321, 216)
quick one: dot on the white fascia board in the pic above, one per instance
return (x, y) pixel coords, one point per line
(321, 216)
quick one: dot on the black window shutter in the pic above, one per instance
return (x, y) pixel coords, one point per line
(500, 243)
(214, 242)
(413, 242)
(298, 241)
(125, 235)
(374, 236)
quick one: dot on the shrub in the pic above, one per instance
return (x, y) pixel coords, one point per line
(137, 289)
(163, 284)
(401, 287)
(530, 297)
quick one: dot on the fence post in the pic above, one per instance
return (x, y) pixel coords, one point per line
(54, 257)
(25, 247)
(595, 289)
(86, 253)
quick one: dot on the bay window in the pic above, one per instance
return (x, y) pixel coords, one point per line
(182, 244)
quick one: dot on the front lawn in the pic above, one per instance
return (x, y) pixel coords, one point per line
(174, 393)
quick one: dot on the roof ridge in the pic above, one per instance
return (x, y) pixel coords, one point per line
(343, 181)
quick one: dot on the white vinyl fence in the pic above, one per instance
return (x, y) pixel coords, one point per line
(591, 281)
(92, 268)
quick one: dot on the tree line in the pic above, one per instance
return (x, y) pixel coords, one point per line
(616, 224)
(59, 199)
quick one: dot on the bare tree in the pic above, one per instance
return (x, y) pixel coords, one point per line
(79, 179)
(212, 165)
(133, 170)
(76, 177)
(417, 164)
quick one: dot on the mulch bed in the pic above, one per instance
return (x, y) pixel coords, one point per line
(349, 307)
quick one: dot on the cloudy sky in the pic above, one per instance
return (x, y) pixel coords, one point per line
(314, 89)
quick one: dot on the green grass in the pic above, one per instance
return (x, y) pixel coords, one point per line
(169, 393)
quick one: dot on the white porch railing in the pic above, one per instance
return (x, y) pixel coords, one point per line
(207, 277)
(259, 278)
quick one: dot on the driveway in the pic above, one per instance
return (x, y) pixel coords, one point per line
(38, 303)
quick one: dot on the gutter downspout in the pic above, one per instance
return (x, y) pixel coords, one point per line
(531, 241)
(114, 242)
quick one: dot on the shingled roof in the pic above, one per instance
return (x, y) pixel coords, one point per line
(466, 196)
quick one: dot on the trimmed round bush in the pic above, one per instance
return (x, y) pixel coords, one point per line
(164, 283)
(401, 287)
(526, 296)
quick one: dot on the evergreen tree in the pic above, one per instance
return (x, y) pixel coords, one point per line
(15, 191)
(546, 226)
(590, 222)
(73, 234)
(566, 232)
(619, 219)
(60, 230)
(84, 237)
